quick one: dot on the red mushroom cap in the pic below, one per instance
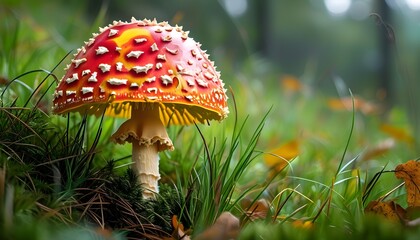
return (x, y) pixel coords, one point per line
(139, 62)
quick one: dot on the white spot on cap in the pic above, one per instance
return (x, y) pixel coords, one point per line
(86, 90)
(154, 47)
(90, 42)
(135, 54)
(189, 97)
(152, 79)
(104, 67)
(208, 75)
(161, 57)
(158, 65)
(118, 49)
(167, 38)
(143, 69)
(166, 79)
(85, 72)
(179, 67)
(92, 77)
(117, 81)
(184, 35)
(140, 40)
(193, 53)
(101, 50)
(77, 62)
(112, 32)
(152, 90)
(190, 82)
(72, 79)
(119, 66)
(172, 51)
(134, 85)
(201, 82)
(68, 92)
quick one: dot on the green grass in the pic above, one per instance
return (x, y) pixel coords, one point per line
(61, 177)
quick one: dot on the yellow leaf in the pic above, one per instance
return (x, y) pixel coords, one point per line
(410, 173)
(352, 186)
(303, 224)
(280, 157)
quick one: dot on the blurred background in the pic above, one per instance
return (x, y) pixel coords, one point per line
(369, 46)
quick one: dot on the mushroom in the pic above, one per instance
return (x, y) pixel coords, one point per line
(151, 73)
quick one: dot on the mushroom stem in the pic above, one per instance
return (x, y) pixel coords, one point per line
(148, 136)
(146, 164)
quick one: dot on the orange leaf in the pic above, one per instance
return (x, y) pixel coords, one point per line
(346, 103)
(280, 157)
(291, 83)
(389, 209)
(410, 173)
(179, 232)
(258, 209)
(398, 133)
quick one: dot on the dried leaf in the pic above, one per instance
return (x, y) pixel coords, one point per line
(388, 209)
(255, 210)
(179, 232)
(226, 227)
(397, 133)
(410, 173)
(3, 80)
(346, 103)
(378, 150)
(280, 157)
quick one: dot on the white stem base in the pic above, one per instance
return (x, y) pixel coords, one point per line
(148, 136)
(146, 164)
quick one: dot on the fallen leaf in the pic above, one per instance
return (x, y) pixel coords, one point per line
(400, 134)
(179, 232)
(255, 210)
(346, 103)
(378, 150)
(3, 80)
(389, 209)
(291, 83)
(410, 173)
(280, 157)
(226, 227)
